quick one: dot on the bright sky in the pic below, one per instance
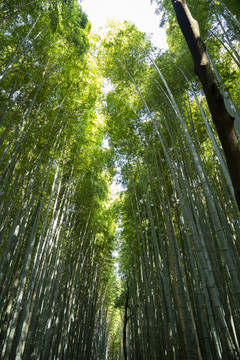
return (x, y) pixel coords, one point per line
(140, 12)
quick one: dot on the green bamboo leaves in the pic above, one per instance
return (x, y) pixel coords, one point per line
(54, 265)
(175, 292)
(179, 221)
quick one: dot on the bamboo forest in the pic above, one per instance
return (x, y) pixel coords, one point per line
(120, 184)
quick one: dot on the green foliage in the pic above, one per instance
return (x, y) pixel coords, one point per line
(171, 167)
(57, 233)
(121, 45)
(175, 225)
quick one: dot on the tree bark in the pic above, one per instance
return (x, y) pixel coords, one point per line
(223, 121)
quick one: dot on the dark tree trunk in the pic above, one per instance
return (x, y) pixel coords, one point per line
(223, 121)
(125, 326)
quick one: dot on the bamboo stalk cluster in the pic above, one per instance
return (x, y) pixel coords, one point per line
(179, 225)
(178, 228)
(53, 299)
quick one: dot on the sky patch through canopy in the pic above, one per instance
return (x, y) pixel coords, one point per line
(140, 12)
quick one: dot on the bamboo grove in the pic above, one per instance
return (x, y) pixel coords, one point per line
(52, 187)
(175, 291)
